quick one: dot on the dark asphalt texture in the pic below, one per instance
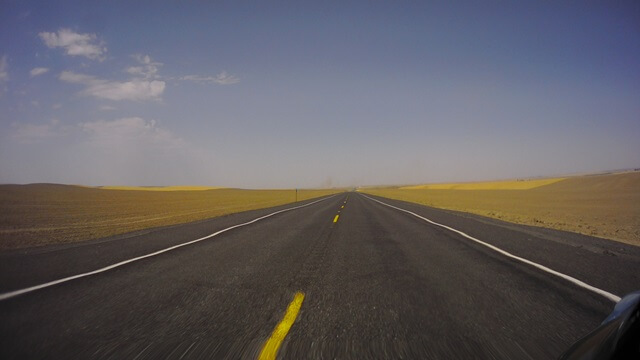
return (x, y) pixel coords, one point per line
(378, 284)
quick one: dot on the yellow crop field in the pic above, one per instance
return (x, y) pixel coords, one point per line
(488, 185)
(606, 206)
(160, 188)
(40, 214)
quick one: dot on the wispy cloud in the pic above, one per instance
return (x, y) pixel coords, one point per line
(147, 68)
(136, 89)
(222, 78)
(106, 108)
(4, 74)
(75, 44)
(128, 151)
(131, 130)
(32, 133)
(38, 71)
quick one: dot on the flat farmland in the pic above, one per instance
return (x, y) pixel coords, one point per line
(606, 206)
(42, 214)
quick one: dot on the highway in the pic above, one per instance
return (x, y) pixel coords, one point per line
(347, 277)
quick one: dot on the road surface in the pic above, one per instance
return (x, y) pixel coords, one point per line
(372, 282)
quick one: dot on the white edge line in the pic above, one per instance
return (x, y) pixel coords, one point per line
(15, 293)
(580, 283)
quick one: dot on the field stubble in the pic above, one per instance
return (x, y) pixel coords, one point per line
(606, 206)
(41, 214)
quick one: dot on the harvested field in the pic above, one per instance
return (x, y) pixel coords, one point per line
(160, 188)
(41, 214)
(488, 185)
(606, 206)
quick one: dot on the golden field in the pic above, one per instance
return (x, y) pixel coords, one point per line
(160, 188)
(488, 185)
(41, 214)
(606, 206)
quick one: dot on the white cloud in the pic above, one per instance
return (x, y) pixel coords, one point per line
(75, 44)
(106, 108)
(222, 78)
(136, 89)
(133, 130)
(38, 71)
(56, 106)
(147, 69)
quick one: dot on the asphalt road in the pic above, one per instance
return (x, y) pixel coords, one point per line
(377, 283)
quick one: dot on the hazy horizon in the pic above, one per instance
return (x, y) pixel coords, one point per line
(523, 178)
(307, 95)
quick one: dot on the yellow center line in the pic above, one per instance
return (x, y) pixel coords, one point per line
(270, 348)
(335, 219)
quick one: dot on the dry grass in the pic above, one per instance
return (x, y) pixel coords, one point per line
(606, 206)
(160, 188)
(488, 185)
(40, 214)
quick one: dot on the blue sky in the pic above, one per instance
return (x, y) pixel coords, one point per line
(308, 94)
